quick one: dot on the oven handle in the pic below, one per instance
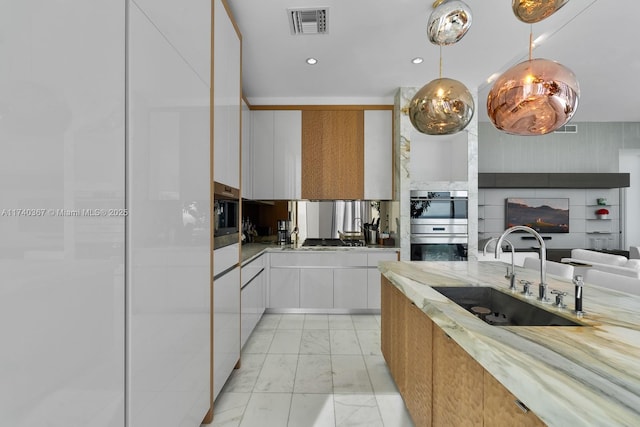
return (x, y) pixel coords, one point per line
(422, 239)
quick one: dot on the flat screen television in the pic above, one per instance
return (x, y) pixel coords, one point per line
(543, 215)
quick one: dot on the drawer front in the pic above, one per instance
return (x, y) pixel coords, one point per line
(319, 259)
(225, 258)
(374, 258)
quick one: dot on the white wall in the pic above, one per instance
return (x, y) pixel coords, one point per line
(61, 277)
(594, 148)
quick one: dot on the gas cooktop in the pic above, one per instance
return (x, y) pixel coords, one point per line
(332, 242)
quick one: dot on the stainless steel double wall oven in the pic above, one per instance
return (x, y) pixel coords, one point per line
(439, 225)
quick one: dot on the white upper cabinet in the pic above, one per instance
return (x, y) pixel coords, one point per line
(262, 150)
(226, 99)
(287, 173)
(276, 149)
(378, 157)
(247, 153)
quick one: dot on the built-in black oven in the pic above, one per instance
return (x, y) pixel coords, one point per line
(226, 214)
(439, 225)
(427, 205)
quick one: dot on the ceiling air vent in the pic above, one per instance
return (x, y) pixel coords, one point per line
(567, 129)
(308, 21)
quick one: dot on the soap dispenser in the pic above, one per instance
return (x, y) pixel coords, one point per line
(579, 284)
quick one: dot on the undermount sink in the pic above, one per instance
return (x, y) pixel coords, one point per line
(501, 309)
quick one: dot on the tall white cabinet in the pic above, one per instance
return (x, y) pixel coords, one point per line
(104, 319)
(247, 153)
(168, 257)
(226, 99)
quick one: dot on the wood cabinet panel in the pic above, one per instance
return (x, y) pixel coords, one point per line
(457, 384)
(394, 332)
(332, 154)
(501, 407)
(419, 366)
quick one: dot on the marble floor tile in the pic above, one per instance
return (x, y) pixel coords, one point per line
(291, 321)
(269, 321)
(313, 374)
(344, 341)
(340, 321)
(312, 410)
(312, 370)
(350, 374)
(316, 321)
(393, 411)
(244, 379)
(259, 341)
(379, 374)
(315, 341)
(353, 410)
(277, 374)
(286, 341)
(365, 321)
(267, 410)
(378, 319)
(369, 340)
(229, 408)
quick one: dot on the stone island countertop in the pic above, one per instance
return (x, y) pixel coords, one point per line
(568, 376)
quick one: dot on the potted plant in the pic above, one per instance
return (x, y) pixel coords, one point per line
(602, 213)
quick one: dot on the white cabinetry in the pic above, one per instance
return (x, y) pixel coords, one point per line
(262, 151)
(226, 314)
(247, 153)
(335, 280)
(276, 149)
(226, 99)
(284, 288)
(316, 288)
(378, 157)
(226, 327)
(287, 173)
(252, 296)
(350, 288)
(373, 276)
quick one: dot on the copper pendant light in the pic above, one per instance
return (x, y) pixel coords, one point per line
(535, 97)
(532, 11)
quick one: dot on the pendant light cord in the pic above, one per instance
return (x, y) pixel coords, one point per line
(440, 61)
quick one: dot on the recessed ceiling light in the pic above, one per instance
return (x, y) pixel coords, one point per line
(312, 61)
(417, 60)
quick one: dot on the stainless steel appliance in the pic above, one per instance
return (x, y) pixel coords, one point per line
(284, 232)
(226, 215)
(439, 225)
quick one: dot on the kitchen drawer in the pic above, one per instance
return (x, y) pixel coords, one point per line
(374, 258)
(252, 269)
(319, 259)
(225, 258)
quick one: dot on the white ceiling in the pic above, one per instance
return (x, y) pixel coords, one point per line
(366, 55)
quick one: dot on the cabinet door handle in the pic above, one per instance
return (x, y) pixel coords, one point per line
(521, 405)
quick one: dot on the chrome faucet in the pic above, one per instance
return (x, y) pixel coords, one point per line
(542, 287)
(511, 276)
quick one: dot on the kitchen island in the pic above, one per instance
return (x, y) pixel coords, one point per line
(566, 375)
